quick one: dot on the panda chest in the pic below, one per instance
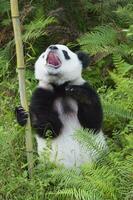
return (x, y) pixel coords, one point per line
(67, 110)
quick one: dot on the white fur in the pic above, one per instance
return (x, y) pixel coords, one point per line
(65, 149)
(46, 86)
(70, 70)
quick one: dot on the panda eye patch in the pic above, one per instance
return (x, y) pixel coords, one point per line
(67, 57)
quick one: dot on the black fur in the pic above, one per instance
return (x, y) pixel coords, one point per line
(21, 115)
(67, 57)
(84, 58)
(44, 117)
(90, 112)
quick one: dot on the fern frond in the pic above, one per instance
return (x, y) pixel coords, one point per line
(125, 13)
(37, 28)
(94, 8)
(102, 39)
(113, 109)
(4, 6)
(129, 33)
(124, 49)
(74, 193)
(91, 141)
(121, 66)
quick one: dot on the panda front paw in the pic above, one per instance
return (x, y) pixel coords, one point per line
(77, 92)
(21, 115)
(71, 90)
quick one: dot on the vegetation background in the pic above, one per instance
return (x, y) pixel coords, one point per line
(104, 29)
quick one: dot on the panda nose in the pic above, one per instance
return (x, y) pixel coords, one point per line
(52, 47)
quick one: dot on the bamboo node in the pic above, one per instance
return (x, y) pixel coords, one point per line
(15, 16)
(20, 68)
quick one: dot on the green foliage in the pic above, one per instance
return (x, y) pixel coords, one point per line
(106, 32)
(105, 40)
(114, 36)
(4, 6)
(122, 67)
(102, 39)
(88, 139)
(97, 181)
(110, 177)
(125, 14)
(117, 102)
(114, 109)
(36, 28)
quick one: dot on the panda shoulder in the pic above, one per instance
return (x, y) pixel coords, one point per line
(90, 89)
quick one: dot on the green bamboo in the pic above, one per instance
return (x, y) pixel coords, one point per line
(21, 77)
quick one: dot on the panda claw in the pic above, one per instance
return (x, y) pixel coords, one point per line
(69, 89)
(72, 89)
(21, 110)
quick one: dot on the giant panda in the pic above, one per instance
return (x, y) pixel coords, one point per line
(63, 102)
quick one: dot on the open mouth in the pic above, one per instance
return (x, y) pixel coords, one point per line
(53, 60)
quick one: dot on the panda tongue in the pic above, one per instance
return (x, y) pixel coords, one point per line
(53, 59)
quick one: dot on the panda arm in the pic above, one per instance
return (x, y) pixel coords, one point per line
(43, 117)
(89, 106)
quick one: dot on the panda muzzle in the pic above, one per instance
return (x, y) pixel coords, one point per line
(53, 60)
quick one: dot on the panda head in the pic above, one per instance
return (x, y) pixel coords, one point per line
(58, 64)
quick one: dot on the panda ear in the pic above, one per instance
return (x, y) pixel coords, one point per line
(84, 58)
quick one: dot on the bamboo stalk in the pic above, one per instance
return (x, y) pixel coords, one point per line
(21, 77)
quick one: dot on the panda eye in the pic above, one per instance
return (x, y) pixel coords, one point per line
(67, 57)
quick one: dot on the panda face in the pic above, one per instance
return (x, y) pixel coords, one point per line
(57, 65)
